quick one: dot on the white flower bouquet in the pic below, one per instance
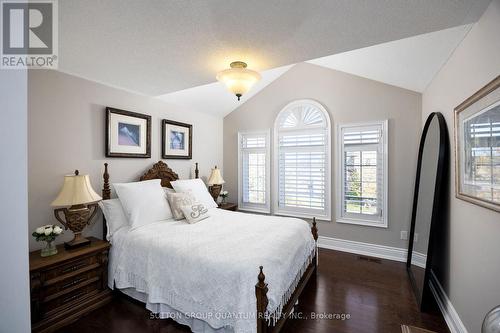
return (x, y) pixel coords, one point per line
(224, 195)
(47, 233)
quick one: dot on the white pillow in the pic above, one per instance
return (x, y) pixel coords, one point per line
(114, 214)
(198, 189)
(195, 212)
(143, 202)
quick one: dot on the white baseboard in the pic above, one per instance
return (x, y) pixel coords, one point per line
(419, 259)
(393, 253)
(367, 249)
(450, 315)
(372, 250)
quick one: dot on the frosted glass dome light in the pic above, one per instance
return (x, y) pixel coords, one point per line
(238, 79)
(491, 323)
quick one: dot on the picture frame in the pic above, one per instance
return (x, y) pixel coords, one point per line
(177, 140)
(477, 147)
(128, 134)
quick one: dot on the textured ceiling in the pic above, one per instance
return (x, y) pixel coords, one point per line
(157, 47)
(409, 63)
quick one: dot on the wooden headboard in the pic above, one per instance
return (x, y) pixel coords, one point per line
(159, 170)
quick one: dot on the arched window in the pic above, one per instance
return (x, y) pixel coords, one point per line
(302, 160)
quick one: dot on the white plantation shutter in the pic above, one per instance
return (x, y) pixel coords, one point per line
(253, 180)
(363, 158)
(303, 157)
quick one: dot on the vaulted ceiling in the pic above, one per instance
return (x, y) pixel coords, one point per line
(409, 63)
(156, 47)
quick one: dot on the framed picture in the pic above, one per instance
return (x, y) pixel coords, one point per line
(128, 134)
(477, 147)
(176, 139)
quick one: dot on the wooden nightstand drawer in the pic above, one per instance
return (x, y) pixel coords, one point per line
(60, 302)
(70, 281)
(79, 265)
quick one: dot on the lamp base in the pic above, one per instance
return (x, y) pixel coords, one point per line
(77, 217)
(76, 242)
(215, 191)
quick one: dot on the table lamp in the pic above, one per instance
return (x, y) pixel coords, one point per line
(215, 183)
(78, 194)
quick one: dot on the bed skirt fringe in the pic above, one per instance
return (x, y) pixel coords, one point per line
(273, 317)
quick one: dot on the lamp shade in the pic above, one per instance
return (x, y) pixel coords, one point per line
(76, 190)
(215, 177)
(238, 79)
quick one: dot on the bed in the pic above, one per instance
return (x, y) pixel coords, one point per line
(232, 272)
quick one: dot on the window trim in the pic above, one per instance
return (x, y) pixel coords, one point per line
(257, 208)
(341, 167)
(328, 174)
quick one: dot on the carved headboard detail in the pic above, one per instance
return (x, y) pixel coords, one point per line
(160, 170)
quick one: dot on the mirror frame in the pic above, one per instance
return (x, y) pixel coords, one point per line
(424, 299)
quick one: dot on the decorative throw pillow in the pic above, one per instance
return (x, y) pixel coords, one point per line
(199, 189)
(177, 200)
(143, 202)
(195, 212)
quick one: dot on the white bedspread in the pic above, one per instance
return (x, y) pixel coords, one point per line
(209, 269)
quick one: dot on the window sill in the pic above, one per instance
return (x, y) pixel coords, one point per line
(366, 223)
(303, 216)
(254, 210)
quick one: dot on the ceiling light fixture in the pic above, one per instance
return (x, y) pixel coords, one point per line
(238, 79)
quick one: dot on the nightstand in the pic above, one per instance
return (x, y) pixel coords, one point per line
(68, 285)
(228, 206)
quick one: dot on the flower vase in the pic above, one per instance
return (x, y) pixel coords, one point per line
(223, 200)
(49, 250)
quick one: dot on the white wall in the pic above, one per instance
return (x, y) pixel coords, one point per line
(348, 99)
(14, 277)
(469, 267)
(67, 130)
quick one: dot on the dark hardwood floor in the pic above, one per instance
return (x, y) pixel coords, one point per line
(375, 294)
